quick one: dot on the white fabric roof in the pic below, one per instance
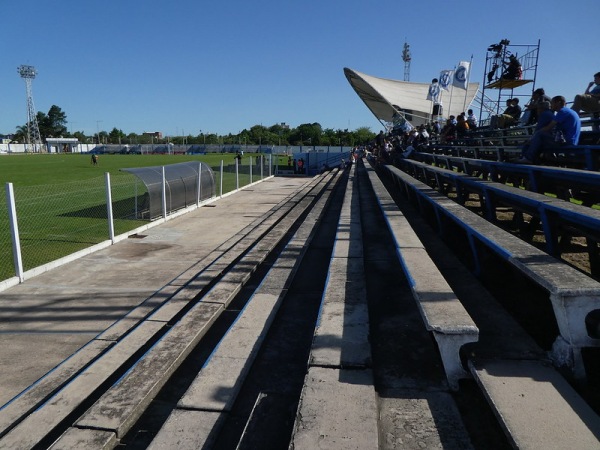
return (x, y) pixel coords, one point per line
(379, 94)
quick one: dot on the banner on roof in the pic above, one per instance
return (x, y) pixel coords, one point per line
(446, 78)
(461, 75)
(433, 93)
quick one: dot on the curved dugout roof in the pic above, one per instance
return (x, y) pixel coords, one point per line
(379, 94)
(182, 186)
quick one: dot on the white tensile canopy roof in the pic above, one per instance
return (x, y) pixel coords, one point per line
(380, 94)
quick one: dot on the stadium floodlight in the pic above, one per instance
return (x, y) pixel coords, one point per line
(28, 73)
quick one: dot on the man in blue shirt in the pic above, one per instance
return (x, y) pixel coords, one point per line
(544, 115)
(564, 129)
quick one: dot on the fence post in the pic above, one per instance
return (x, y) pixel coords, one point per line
(164, 194)
(221, 180)
(199, 190)
(251, 161)
(14, 230)
(136, 199)
(262, 163)
(237, 175)
(109, 210)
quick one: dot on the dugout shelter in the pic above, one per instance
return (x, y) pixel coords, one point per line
(185, 185)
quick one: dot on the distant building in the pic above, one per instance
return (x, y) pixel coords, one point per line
(5, 139)
(154, 134)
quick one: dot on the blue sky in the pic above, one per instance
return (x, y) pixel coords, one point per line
(188, 66)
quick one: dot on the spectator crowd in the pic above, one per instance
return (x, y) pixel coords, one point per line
(555, 125)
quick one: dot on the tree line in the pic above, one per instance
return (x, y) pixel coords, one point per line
(54, 124)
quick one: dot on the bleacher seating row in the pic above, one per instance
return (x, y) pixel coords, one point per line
(506, 144)
(558, 218)
(565, 183)
(574, 295)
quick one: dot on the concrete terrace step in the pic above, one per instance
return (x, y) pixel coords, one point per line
(338, 406)
(211, 395)
(536, 406)
(443, 314)
(37, 425)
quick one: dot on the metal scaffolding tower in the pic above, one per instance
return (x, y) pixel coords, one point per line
(406, 58)
(498, 84)
(28, 73)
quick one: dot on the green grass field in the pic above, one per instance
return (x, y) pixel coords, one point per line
(60, 200)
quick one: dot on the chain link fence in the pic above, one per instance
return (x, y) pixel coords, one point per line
(6, 255)
(57, 220)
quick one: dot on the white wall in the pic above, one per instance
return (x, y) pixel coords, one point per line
(20, 148)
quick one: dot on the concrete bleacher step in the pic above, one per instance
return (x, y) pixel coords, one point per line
(338, 403)
(338, 411)
(27, 401)
(37, 425)
(211, 395)
(257, 431)
(536, 406)
(442, 312)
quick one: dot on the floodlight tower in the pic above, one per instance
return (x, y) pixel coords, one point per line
(406, 58)
(28, 73)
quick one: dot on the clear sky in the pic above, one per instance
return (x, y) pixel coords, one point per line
(220, 66)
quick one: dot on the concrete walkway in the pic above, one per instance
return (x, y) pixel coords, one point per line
(46, 319)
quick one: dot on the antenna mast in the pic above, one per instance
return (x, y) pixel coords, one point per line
(28, 73)
(406, 57)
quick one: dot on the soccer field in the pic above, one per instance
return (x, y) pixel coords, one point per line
(60, 199)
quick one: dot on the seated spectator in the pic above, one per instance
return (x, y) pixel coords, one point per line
(510, 116)
(409, 152)
(589, 101)
(564, 129)
(544, 114)
(422, 139)
(462, 127)
(471, 120)
(513, 69)
(448, 133)
(531, 108)
(380, 140)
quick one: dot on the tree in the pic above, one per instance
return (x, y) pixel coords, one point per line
(307, 134)
(52, 124)
(116, 136)
(363, 135)
(80, 136)
(57, 121)
(102, 137)
(21, 135)
(133, 138)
